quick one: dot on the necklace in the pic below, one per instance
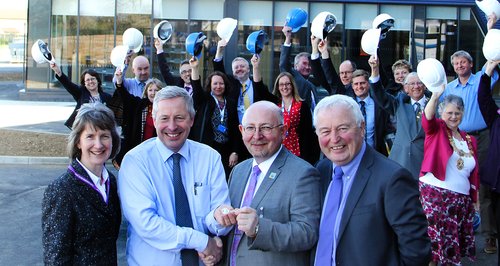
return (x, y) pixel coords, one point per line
(461, 153)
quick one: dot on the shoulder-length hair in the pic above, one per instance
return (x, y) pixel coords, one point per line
(94, 74)
(295, 92)
(153, 81)
(97, 116)
(208, 82)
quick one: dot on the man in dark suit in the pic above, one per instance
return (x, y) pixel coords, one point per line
(277, 195)
(244, 89)
(371, 211)
(184, 79)
(408, 147)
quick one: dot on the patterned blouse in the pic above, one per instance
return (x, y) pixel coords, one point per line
(292, 119)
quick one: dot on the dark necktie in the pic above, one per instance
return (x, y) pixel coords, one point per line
(246, 202)
(141, 86)
(182, 211)
(326, 228)
(418, 112)
(363, 111)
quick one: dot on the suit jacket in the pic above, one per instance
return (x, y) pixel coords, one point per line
(169, 79)
(288, 202)
(304, 86)
(132, 119)
(81, 96)
(408, 146)
(202, 130)
(383, 222)
(260, 90)
(489, 110)
(78, 227)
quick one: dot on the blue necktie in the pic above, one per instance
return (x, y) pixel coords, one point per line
(326, 228)
(182, 211)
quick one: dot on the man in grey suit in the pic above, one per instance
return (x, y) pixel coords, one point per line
(277, 196)
(371, 214)
(408, 146)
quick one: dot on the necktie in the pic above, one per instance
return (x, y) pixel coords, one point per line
(141, 86)
(363, 111)
(247, 199)
(188, 89)
(182, 211)
(418, 112)
(326, 228)
(246, 98)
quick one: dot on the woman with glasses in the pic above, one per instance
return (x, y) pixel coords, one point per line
(89, 90)
(449, 180)
(81, 213)
(137, 124)
(216, 120)
(300, 138)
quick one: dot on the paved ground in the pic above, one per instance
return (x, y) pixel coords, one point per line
(21, 193)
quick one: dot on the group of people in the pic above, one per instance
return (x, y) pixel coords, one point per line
(229, 172)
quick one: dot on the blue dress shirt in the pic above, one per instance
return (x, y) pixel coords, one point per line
(132, 85)
(370, 119)
(349, 170)
(147, 198)
(472, 119)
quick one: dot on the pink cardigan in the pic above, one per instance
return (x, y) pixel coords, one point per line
(437, 151)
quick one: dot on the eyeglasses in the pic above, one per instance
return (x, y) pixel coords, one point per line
(184, 72)
(266, 129)
(415, 83)
(288, 84)
(90, 79)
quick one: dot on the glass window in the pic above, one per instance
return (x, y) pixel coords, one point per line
(335, 38)
(171, 9)
(396, 45)
(299, 38)
(64, 38)
(38, 28)
(248, 23)
(358, 19)
(199, 8)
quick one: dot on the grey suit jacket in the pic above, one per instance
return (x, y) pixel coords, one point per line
(408, 147)
(288, 205)
(383, 222)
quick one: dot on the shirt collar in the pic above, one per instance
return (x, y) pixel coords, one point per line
(95, 178)
(165, 153)
(351, 168)
(265, 165)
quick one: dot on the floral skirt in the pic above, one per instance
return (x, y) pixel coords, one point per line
(450, 216)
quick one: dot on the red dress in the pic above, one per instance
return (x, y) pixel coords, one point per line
(292, 119)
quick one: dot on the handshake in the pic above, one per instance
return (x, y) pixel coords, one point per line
(247, 220)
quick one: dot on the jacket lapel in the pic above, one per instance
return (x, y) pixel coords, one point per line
(363, 174)
(88, 193)
(270, 178)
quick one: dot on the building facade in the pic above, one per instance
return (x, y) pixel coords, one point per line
(82, 33)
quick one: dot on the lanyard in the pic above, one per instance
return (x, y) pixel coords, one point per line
(221, 110)
(90, 184)
(283, 107)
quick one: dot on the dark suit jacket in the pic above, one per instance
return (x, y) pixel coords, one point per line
(288, 202)
(260, 90)
(81, 96)
(132, 125)
(334, 81)
(304, 86)
(383, 222)
(408, 147)
(78, 227)
(489, 110)
(202, 130)
(169, 79)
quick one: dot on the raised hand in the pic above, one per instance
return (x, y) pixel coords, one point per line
(158, 46)
(287, 31)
